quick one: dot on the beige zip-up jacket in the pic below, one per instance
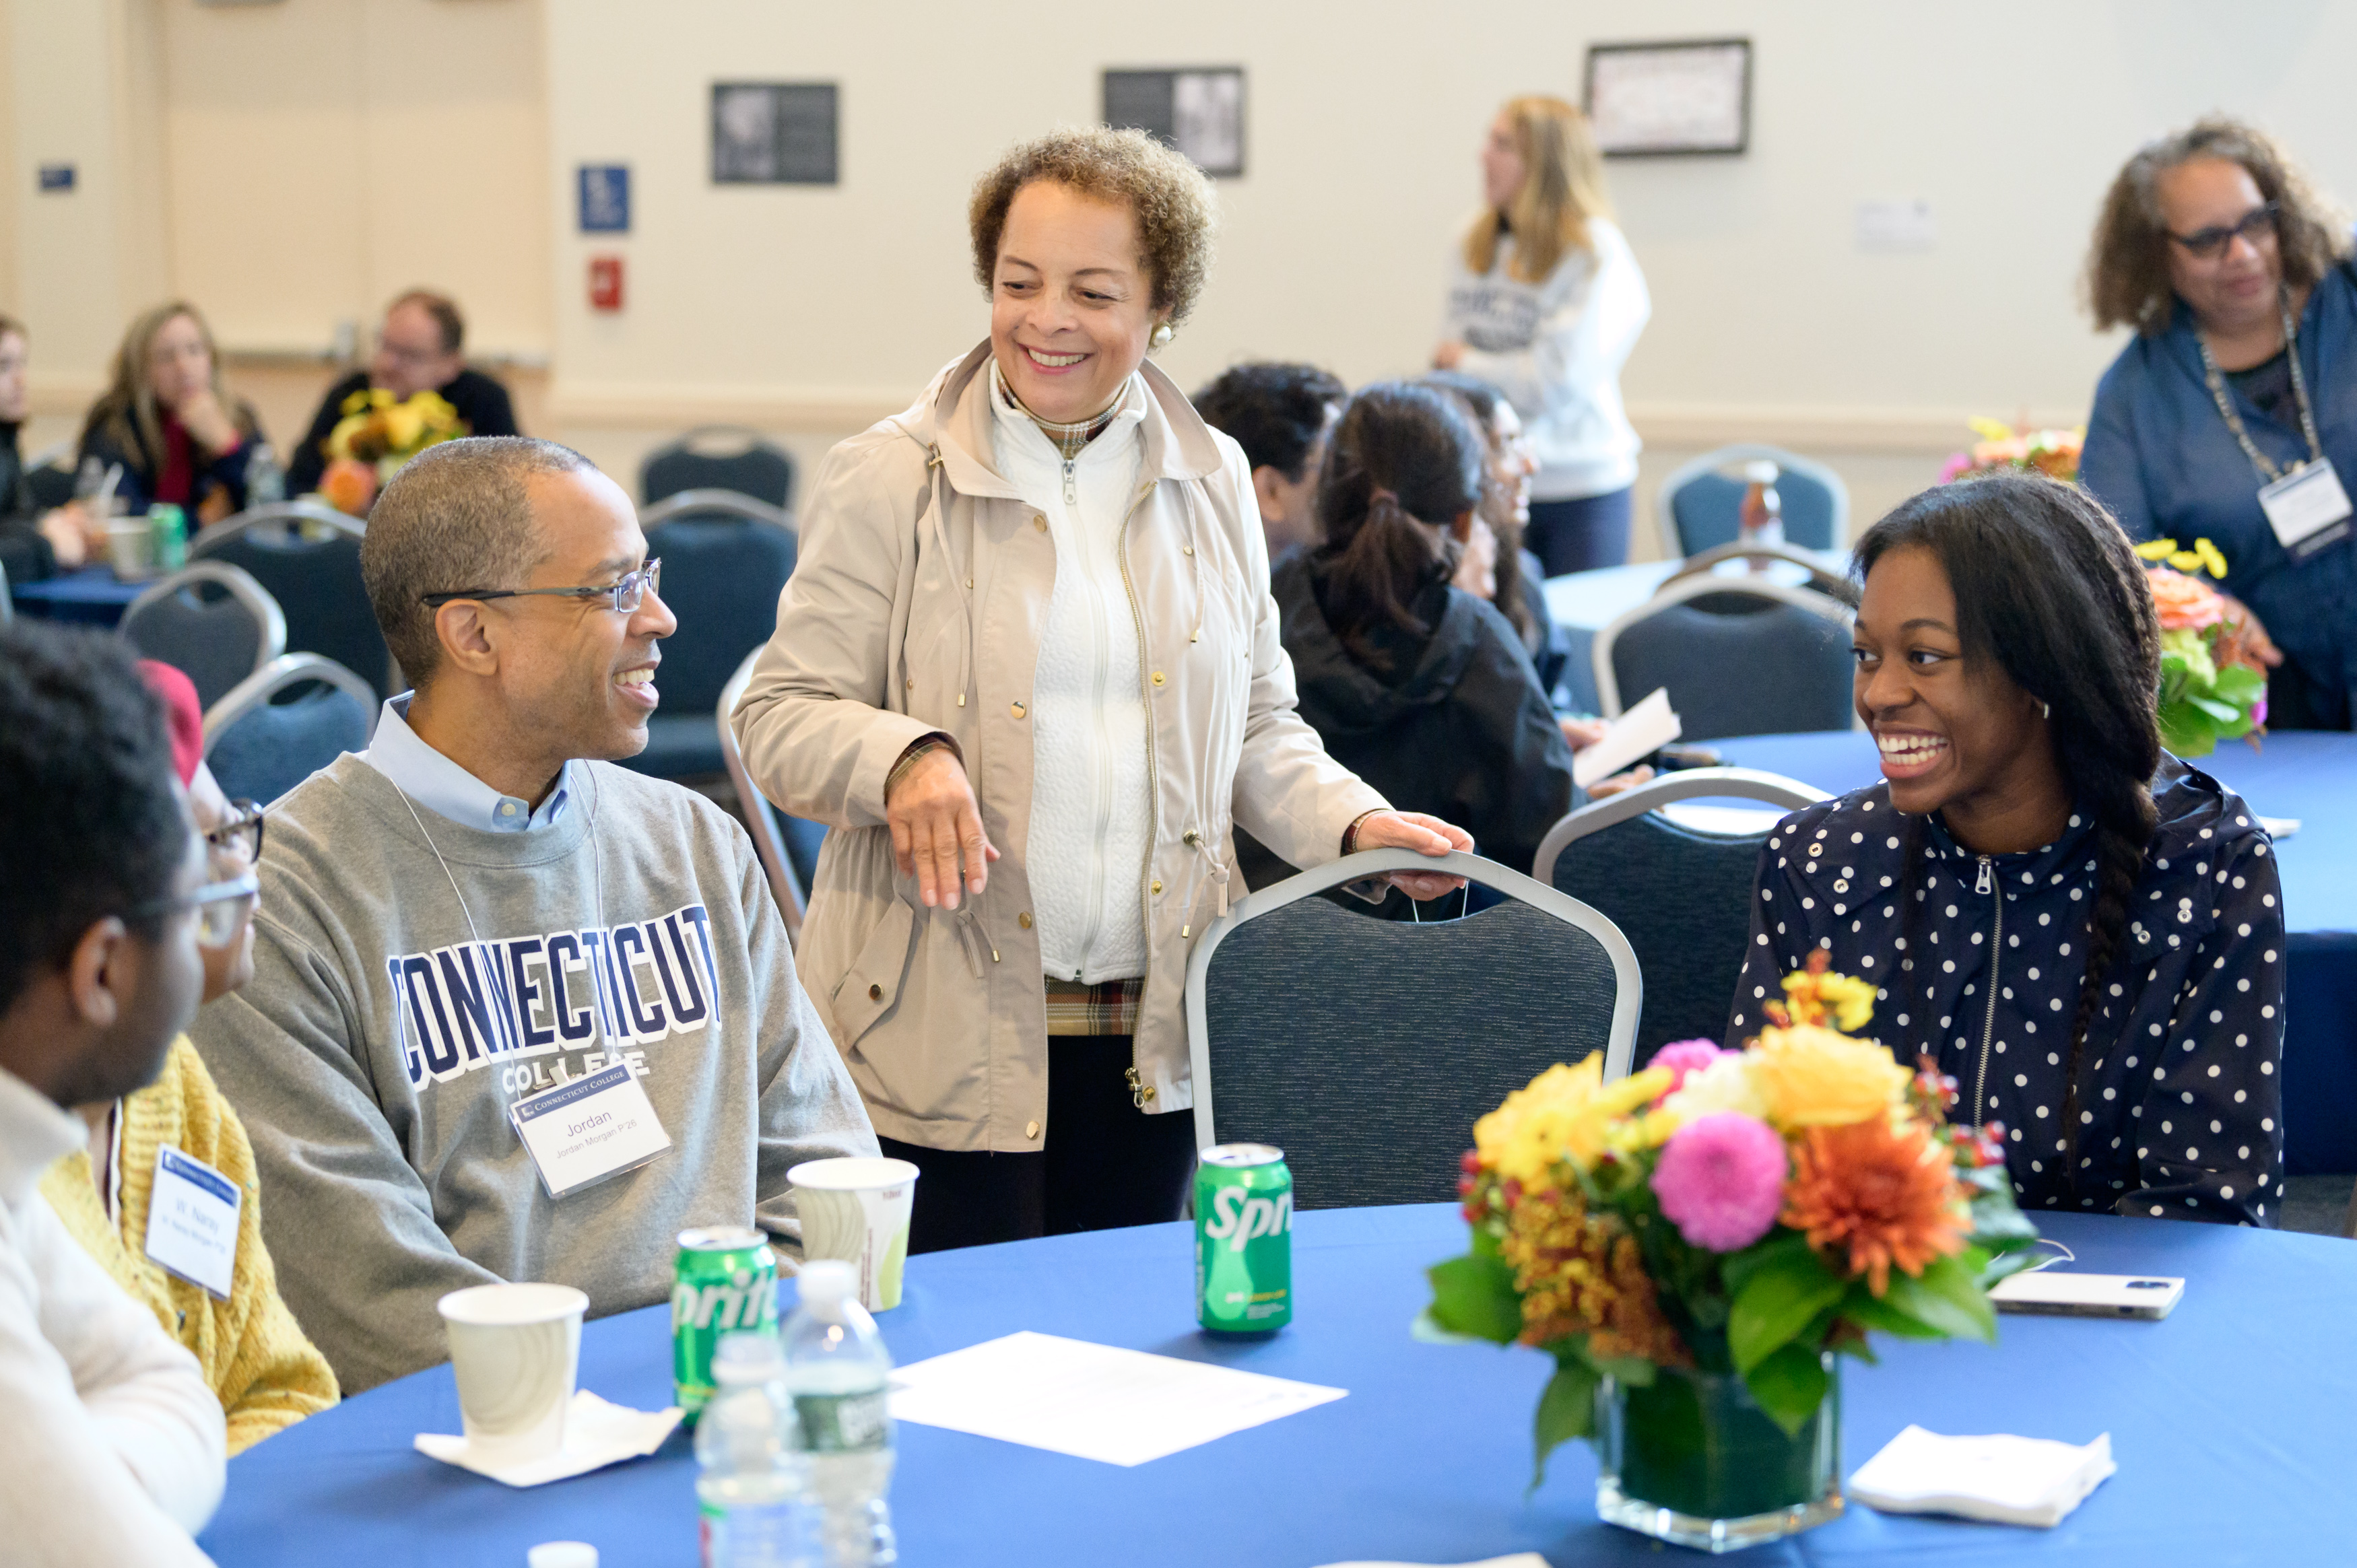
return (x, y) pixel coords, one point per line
(916, 606)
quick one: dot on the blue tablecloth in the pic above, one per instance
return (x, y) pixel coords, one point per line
(2233, 1422)
(2302, 774)
(91, 596)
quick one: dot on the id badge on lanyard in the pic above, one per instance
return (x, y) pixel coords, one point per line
(2307, 508)
(596, 1126)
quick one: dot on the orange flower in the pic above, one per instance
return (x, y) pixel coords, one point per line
(1885, 1195)
(349, 486)
(2184, 602)
(1581, 1273)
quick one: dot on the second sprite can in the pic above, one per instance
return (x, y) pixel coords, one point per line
(1244, 1239)
(727, 1282)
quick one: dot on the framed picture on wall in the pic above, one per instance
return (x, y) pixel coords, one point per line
(1670, 99)
(774, 133)
(1199, 111)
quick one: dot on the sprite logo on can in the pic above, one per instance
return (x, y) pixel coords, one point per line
(1244, 1239)
(727, 1282)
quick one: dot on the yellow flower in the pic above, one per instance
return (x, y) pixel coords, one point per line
(1565, 1112)
(2210, 557)
(1812, 1077)
(2156, 549)
(1727, 1084)
(1850, 1001)
(403, 424)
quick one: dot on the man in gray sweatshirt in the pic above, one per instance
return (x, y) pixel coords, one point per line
(480, 907)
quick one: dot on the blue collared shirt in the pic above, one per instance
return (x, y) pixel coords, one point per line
(446, 789)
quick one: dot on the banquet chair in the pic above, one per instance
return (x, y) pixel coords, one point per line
(283, 723)
(1737, 655)
(1699, 504)
(1677, 882)
(725, 558)
(8, 604)
(1820, 577)
(1366, 1048)
(50, 476)
(719, 457)
(210, 620)
(774, 832)
(307, 555)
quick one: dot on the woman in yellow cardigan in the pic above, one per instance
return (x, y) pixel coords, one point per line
(253, 1353)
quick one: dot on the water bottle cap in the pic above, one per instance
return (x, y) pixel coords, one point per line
(563, 1554)
(826, 1282)
(749, 1356)
(1761, 471)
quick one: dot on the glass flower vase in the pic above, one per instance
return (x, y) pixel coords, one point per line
(1694, 1460)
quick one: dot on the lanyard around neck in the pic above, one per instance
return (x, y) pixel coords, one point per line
(2217, 380)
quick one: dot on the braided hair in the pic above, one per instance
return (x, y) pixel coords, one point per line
(2047, 586)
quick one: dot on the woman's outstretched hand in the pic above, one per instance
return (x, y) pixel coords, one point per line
(1424, 834)
(935, 824)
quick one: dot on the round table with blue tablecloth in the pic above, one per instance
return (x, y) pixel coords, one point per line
(2232, 1423)
(2306, 776)
(91, 595)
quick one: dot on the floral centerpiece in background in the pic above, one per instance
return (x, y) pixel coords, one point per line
(2213, 688)
(376, 434)
(1693, 1244)
(2053, 453)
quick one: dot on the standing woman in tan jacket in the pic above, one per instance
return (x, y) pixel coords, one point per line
(1027, 669)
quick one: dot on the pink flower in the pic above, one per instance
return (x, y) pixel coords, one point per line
(1684, 1056)
(1958, 465)
(1721, 1180)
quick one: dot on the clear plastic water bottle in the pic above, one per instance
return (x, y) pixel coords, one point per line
(1761, 520)
(749, 1493)
(265, 482)
(838, 1368)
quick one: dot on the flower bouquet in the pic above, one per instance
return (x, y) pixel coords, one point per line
(2213, 688)
(2053, 453)
(375, 435)
(1695, 1243)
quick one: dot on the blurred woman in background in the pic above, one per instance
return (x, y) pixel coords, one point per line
(170, 422)
(2235, 275)
(1545, 303)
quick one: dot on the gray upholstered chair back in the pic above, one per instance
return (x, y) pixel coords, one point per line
(1679, 892)
(283, 723)
(308, 555)
(1737, 655)
(761, 817)
(1365, 1049)
(719, 457)
(210, 620)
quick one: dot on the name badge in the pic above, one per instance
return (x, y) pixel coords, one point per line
(593, 1127)
(192, 1215)
(2303, 507)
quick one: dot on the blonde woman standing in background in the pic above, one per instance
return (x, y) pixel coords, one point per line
(1545, 303)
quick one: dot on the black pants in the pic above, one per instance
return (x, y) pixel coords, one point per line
(1103, 1163)
(1580, 535)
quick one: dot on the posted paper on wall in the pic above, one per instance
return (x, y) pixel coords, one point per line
(1092, 1401)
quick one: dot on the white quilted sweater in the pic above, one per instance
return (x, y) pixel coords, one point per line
(1092, 810)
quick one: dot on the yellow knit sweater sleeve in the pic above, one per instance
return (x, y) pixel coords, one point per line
(253, 1353)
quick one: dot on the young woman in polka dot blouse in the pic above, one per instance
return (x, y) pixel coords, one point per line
(2085, 932)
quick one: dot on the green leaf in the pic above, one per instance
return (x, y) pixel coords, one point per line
(2239, 683)
(1790, 1385)
(1948, 1297)
(1736, 1268)
(1474, 1295)
(1566, 1409)
(1776, 1302)
(2224, 713)
(1882, 1315)
(1429, 1329)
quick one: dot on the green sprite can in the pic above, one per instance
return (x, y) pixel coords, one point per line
(1244, 1239)
(168, 529)
(727, 1282)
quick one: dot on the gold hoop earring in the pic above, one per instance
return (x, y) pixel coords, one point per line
(1161, 337)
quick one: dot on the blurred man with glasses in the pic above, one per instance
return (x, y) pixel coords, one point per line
(265, 1373)
(421, 346)
(479, 910)
(113, 1448)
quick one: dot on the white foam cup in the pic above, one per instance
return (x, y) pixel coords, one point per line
(132, 547)
(857, 1209)
(515, 1350)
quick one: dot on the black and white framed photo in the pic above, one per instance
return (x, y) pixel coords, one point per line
(1199, 111)
(774, 133)
(1670, 99)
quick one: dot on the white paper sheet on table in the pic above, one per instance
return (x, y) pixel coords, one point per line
(596, 1434)
(1518, 1560)
(1639, 732)
(1092, 1401)
(1703, 818)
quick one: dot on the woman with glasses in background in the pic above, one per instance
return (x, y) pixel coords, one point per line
(2232, 414)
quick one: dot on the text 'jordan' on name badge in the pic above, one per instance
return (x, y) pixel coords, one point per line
(593, 1127)
(192, 1216)
(2304, 504)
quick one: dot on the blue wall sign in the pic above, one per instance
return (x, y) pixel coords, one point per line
(605, 199)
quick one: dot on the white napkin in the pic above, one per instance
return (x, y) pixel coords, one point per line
(2006, 1480)
(596, 1435)
(1519, 1560)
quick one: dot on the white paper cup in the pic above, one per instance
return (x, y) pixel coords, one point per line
(857, 1209)
(516, 1349)
(132, 548)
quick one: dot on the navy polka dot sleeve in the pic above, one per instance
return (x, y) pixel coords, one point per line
(1978, 962)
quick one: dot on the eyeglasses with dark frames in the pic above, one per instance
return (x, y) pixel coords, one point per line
(241, 833)
(2213, 242)
(220, 908)
(625, 595)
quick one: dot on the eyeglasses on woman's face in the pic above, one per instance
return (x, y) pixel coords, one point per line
(2211, 243)
(222, 909)
(240, 838)
(625, 595)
